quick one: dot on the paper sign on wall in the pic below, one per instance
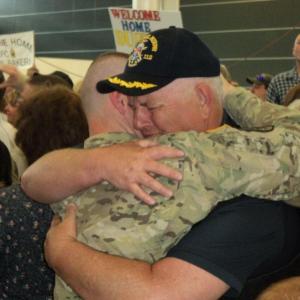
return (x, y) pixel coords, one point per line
(17, 49)
(130, 25)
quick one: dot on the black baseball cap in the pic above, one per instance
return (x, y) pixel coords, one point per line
(263, 78)
(159, 58)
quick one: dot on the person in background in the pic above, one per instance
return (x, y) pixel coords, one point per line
(260, 84)
(38, 82)
(39, 129)
(50, 119)
(12, 101)
(23, 84)
(7, 136)
(15, 99)
(282, 82)
(65, 77)
(16, 95)
(5, 166)
(292, 95)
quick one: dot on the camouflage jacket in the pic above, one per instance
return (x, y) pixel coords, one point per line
(218, 165)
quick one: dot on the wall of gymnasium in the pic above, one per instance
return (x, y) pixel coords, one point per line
(249, 36)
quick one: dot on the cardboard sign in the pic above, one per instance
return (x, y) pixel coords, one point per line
(130, 25)
(17, 49)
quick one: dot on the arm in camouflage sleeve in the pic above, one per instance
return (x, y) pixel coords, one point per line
(218, 166)
(96, 275)
(61, 173)
(253, 114)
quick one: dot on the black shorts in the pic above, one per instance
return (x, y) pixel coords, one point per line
(241, 239)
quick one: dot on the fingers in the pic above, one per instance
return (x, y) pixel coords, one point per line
(141, 194)
(146, 143)
(156, 186)
(151, 183)
(71, 211)
(70, 216)
(55, 221)
(160, 152)
(163, 170)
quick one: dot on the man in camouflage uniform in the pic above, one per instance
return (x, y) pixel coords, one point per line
(114, 222)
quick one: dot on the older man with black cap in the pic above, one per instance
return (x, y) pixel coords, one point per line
(221, 252)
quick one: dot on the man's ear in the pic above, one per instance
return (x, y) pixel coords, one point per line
(119, 101)
(205, 98)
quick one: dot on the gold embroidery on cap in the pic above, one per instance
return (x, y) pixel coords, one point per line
(131, 84)
(149, 45)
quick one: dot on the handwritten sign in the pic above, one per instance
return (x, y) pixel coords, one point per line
(130, 25)
(17, 49)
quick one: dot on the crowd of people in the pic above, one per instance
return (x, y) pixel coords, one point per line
(161, 178)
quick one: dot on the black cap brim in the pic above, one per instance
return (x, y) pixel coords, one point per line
(251, 80)
(128, 84)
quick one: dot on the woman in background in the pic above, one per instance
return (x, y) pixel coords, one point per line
(50, 119)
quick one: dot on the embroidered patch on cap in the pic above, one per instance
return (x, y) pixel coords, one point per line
(143, 50)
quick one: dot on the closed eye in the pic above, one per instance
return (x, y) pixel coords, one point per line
(154, 108)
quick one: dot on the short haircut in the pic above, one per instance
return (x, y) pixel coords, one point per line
(103, 66)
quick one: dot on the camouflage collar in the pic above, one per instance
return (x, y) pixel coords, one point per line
(106, 139)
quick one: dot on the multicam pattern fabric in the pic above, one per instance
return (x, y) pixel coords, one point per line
(280, 84)
(218, 165)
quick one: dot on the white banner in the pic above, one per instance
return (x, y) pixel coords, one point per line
(130, 25)
(17, 49)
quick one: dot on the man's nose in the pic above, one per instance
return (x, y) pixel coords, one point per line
(142, 117)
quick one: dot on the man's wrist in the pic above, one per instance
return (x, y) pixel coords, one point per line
(97, 164)
(56, 257)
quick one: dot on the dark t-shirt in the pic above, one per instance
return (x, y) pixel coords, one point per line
(242, 238)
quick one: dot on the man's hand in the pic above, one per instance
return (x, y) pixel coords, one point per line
(129, 167)
(60, 234)
(15, 79)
